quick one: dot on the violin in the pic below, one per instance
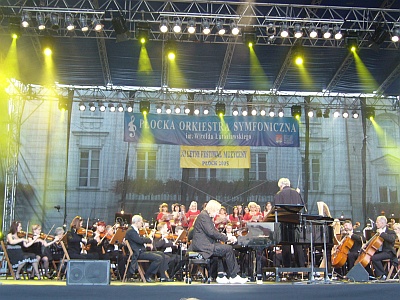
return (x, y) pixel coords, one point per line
(43, 236)
(84, 232)
(104, 235)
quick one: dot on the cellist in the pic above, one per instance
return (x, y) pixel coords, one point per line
(348, 231)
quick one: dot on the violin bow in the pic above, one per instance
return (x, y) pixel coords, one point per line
(50, 231)
(27, 230)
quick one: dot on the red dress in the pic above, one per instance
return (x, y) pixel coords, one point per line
(191, 216)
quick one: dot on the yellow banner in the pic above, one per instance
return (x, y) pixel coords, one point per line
(215, 157)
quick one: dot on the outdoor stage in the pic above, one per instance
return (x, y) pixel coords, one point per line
(52, 289)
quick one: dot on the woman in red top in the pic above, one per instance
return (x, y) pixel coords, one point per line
(164, 215)
(253, 215)
(192, 213)
(235, 218)
(221, 219)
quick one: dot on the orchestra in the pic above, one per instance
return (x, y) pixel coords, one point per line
(160, 244)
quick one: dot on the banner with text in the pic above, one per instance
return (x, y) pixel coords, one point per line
(221, 157)
(211, 130)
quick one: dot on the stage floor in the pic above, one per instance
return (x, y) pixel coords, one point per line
(53, 289)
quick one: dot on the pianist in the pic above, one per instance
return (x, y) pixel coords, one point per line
(290, 196)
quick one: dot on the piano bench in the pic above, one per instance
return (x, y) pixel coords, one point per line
(196, 259)
(278, 270)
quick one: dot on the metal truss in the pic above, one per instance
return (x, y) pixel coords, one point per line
(257, 15)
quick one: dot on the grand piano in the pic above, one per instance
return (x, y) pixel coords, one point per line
(286, 225)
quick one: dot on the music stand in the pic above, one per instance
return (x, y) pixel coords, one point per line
(118, 236)
(282, 210)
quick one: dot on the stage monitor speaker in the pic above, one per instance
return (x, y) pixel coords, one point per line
(358, 273)
(88, 272)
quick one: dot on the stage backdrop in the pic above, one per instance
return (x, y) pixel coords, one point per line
(211, 130)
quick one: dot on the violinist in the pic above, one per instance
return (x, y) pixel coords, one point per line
(158, 262)
(55, 252)
(18, 258)
(349, 231)
(38, 240)
(166, 244)
(232, 239)
(386, 251)
(76, 236)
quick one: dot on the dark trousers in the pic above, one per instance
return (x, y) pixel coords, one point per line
(377, 262)
(299, 257)
(158, 263)
(351, 259)
(226, 251)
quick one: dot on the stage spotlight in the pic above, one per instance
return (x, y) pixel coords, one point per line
(177, 109)
(234, 28)
(271, 29)
(40, 21)
(120, 28)
(69, 22)
(168, 109)
(120, 107)
(164, 26)
(14, 27)
(63, 103)
(191, 27)
(244, 111)
(319, 113)
(327, 113)
(296, 111)
(111, 107)
(144, 107)
(351, 41)
(220, 109)
(186, 109)
(206, 110)
(271, 112)
(177, 26)
(82, 106)
(253, 111)
(313, 32)
(249, 37)
(336, 114)
(338, 32)
(280, 113)
(370, 112)
(355, 114)
(129, 106)
(235, 111)
(84, 23)
(206, 27)
(284, 31)
(263, 112)
(159, 108)
(55, 21)
(97, 25)
(101, 106)
(298, 32)
(310, 113)
(345, 114)
(143, 32)
(92, 107)
(396, 34)
(170, 49)
(25, 19)
(196, 111)
(326, 33)
(47, 45)
(220, 27)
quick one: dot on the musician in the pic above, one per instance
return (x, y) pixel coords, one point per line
(229, 233)
(387, 250)
(253, 215)
(192, 213)
(235, 217)
(55, 252)
(184, 220)
(348, 231)
(206, 241)
(396, 228)
(288, 195)
(164, 215)
(158, 260)
(166, 244)
(221, 219)
(75, 240)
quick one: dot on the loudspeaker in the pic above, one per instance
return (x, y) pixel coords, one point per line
(88, 272)
(358, 273)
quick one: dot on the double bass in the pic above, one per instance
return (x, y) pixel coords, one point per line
(369, 250)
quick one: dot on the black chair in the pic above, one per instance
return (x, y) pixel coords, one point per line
(196, 259)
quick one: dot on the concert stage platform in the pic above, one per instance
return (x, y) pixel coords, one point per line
(52, 289)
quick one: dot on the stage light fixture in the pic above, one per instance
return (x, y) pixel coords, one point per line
(336, 114)
(206, 27)
(25, 19)
(142, 32)
(111, 107)
(120, 28)
(69, 22)
(370, 112)
(271, 112)
(271, 29)
(310, 113)
(177, 109)
(47, 43)
(326, 32)
(263, 112)
(206, 110)
(284, 31)
(327, 113)
(298, 32)
(313, 32)
(144, 106)
(102, 107)
(196, 111)
(92, 107)
(63, 103)
(129, 106)
(244, 111)
(396, 34)
(338, 32)
(235, 111)
(186, 109)
(120, 107)
(351, 41)
(97, 25)
(318, 113)
(164, 26)
(296, 111)
(280, 113)
(14, 27)
(191, 26)
(253, 111)
(355, 114)
(55, 21)
(40, 21)
(82, 106)
(159, 108)
(345, 114)
(170, 49)
(220, 109)
(177, 26)
(84, 23)
(249, 37)
(220, 27)
(168, 109)
(234, 28)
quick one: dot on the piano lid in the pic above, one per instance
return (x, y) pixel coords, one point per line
(285, 213)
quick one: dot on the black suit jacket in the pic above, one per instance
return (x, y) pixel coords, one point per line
(358, 241)
(205, 235)
(389, 237)
(136, 242)
(288, 196)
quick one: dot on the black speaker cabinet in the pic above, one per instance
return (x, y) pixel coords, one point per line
(358, 273)
(88, 272)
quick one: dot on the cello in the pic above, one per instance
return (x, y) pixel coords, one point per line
(339, 255)
(369, 250)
